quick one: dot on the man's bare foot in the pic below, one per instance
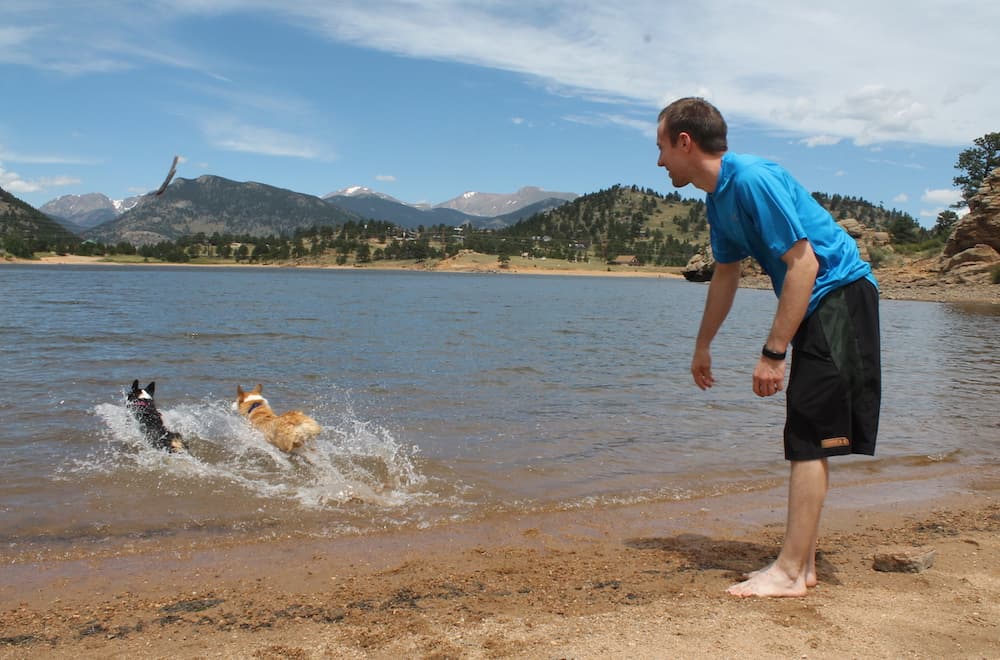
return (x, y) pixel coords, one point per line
(770, 582)
(811, 578)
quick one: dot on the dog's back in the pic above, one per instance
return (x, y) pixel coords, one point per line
(140, 402)
(287, 431)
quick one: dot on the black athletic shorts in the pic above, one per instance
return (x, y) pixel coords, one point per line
(835, 385)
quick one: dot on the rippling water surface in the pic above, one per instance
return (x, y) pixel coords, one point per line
(442, 396)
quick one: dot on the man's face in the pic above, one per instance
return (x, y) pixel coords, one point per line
(673, 157)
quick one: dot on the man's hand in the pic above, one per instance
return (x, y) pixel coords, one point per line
(768, 376)
(701, 369)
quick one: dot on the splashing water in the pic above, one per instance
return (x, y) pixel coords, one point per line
(352, 460)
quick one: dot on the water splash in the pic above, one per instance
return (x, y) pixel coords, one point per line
(351, 461)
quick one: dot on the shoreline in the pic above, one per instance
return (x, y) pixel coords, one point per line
(908, 282)
(628, 581)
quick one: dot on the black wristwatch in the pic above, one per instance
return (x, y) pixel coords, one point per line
(771, 355)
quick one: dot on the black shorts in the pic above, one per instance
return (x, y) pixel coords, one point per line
(835, 385)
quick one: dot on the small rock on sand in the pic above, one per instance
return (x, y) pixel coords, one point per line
(903, 559)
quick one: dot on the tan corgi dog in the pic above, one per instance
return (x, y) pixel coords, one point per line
(287, 431)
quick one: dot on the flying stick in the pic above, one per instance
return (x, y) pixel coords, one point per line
(170, 175)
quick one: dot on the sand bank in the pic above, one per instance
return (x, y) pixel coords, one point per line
(620, 582)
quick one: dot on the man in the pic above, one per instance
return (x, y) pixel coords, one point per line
(827, 311)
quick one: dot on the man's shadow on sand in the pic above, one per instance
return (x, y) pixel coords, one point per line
(737, 558)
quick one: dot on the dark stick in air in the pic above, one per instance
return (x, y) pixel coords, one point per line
(170, 175)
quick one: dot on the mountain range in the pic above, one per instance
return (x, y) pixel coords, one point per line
(211, 204)
(482, 210)
(76, 212)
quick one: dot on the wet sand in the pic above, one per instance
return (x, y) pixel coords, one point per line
(637, 581)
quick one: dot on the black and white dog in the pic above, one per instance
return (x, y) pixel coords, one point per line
(140, 403)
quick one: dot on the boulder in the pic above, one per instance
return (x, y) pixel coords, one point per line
(880, 238)
(853, 227)
(865, 237)
(976, 259)
(700, 267)
(981, 226)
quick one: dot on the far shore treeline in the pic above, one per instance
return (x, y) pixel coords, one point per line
(621, 223)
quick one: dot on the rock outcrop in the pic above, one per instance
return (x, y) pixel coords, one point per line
(865, 237)
(974, 244)
(700, 267)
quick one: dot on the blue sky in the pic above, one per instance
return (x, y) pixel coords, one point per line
(426, 99)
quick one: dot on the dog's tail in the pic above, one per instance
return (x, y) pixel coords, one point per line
(307, 429)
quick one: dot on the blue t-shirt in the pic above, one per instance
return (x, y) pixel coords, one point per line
(758, 210)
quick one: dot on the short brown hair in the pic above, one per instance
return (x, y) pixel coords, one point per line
(699, 119)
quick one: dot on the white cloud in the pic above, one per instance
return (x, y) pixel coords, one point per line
(13, 36)
(940, 200)
(942, 196)
(901, 198)
(43, 159)
(15, 183)
(934, 213)
(782, 65)
(58, 181)
(233, 135)
(881, 111)
(886, 86)
(270, 102)
(12, 182)
(76, 39)
(388, 178)
(820, 141)
(647, 126)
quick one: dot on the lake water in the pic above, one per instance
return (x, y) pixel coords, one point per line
(443, 397)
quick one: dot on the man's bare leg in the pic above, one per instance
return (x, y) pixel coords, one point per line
(795, 567)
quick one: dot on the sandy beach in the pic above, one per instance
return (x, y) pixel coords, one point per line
(620, 582)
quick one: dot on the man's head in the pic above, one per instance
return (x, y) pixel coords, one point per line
(701, 120)
(689, 130)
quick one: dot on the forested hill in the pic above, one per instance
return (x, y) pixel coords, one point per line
(658, 229)
(23, 228)
(666, 229)
(902, 226)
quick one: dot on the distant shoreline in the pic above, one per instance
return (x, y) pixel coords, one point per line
(455, 265)
(910, 282)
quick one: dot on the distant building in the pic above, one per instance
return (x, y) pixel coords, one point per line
(626, 260)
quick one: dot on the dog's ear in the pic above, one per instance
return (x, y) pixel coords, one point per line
(258, 389)
(135, 385)
(239, 392)
(151, 388)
